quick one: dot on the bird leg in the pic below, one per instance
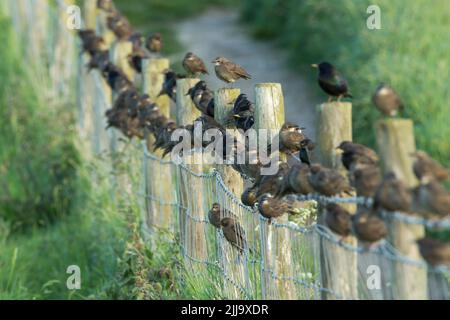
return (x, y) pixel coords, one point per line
(330, 98)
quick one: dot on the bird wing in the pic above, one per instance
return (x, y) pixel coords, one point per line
(239, 70)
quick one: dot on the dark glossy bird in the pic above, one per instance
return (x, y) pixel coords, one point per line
(296, 180)
(248, 197)
(194, 65)
(328, 182)
(307, 146)
(434, 252)
(331, 81)
(154, 43)
(120, 26)
(99, 61)
(138, 54)
(116, 79)
(214, 215)
(243, 104)
(426, 168)
(229, 71)
(242, 115)
(393, 195)
(270, 207)
(170, 84)
(90, 42)
(203, 98)
(338, 219)
(163, 135)
(431, 200)
(365, 179)
(368, 226)
(386, 100)
(355, 153)
(234, 233)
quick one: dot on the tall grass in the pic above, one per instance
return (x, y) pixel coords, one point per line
(410, 52)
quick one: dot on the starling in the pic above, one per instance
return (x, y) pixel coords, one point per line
(90, 42)
(431, 200)
(270, 207)
(365, 179)
(355, 153)
(242, 104)
(386, 100)
(116, 79)
(154, 43)
(194, 65)
(248, 197)
(338, 219)
(435, 252)
(99, 60)
(291, 138)
(426, 168)
(214, 215)
(120, 26)
(272, 183)
(331, 81)
(327, 182)
(106, 5)
(367, 226)
(203, 98)
(170, 84)
(135, 58)
(393, 195)
(163, 135)
(243, 113)
(234, 233)
(296, 180)
(228, 71)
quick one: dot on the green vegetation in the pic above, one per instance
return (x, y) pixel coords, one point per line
(410, 52)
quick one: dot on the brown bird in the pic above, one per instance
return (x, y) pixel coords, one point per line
(270, 207)
(272, 183)
(248, 197)
(365, 179)
(431, 200)
(154, 43)
(120, 25)
(328, 182)
(426, 168)
(228, 71)
(296, 180)
(291, 138)
(90, 42)
(386, 100)
(338, 219)
(355, 153)
(194, 65)
(106, 5)
(393, 195)
(435, 252)
(367, 226)
(214, 215)
(99, 61)
(234, 233)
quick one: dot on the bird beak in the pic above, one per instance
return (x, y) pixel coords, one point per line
(236, 116)
(314, 65)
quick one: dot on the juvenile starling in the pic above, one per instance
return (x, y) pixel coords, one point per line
(270, 207)
(365, 179)
(338, 219)
(386, 100)
(170, 84)
(203, 98)
(154, 43)
(248, 197)
(90, 42)
(228, 71)
(393, 195)
(426, 168)
(331, 81)
(327, 182)
(368, 227)
(214, 215)
(106, 5)
(291, 138)
(355, 153)
(194, 65)
(435, 252)
(234, 233)
(431, 200)
(272, 183)
(296, 180)
(120, 26)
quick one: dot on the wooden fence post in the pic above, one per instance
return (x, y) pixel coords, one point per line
(395, 140)
(102, 28)
(159, 180)
(269, 114)
(90, 14)
(191, 190)
(339, 267)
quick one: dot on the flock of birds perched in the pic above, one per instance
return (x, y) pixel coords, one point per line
(274, 195)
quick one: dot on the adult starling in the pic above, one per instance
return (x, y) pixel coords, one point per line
(338, 219)
(170, 84)
(243, 113)
(120, 26)
(355, 153)
(116, 79)
(393, 195)
(203, 98)
(248, 197)
(270, 207)
(234, 233)
(365, 179)
(90, 42)
(243, 104)
(386, 100)
(435, 252)
(154, 43)
(331, 81)
(214, 215)
(368, 226)
(194, 65)
(426, 168)
(327, 182)
(431, 200)
(291, 138)
(163, 135)
(228, 71)
(296, 180)
(136, 57)
(99, 60)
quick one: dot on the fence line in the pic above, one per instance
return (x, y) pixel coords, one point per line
(255, 273)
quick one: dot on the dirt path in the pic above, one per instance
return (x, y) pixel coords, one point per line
(218, 33)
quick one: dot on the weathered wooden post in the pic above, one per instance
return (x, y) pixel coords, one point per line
(191, 188)
(90, 14)
(277, 255)
(396, 143)
(339, 266)
(159, 180)
(102, 28)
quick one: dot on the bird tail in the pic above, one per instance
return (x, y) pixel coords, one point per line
(348, 95)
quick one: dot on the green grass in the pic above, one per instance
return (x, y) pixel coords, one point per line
(410, 52)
